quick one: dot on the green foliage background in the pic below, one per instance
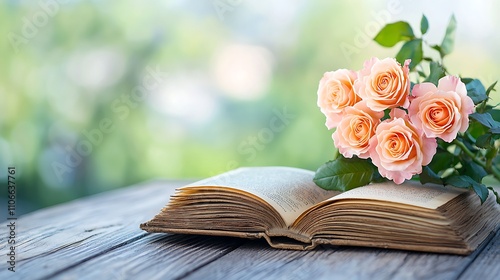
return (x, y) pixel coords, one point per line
(44, 110)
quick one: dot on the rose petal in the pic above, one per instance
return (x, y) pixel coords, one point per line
(423, 88)
(335, 93)
(452, 83)
(449, 101)
(399, 149)
(383, 84)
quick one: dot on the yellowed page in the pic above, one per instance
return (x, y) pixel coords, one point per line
(290, 191)
(410, 192)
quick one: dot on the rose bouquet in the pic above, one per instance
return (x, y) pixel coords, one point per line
(439, 129)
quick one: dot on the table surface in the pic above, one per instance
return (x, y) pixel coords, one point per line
(98, 237)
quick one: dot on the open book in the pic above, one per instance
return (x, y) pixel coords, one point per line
(284, 206)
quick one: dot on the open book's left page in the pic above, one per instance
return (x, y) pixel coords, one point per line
(290, 191)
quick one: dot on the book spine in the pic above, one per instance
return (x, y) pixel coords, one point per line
(288, 239)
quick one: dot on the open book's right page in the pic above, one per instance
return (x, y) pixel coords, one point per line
(412, 193)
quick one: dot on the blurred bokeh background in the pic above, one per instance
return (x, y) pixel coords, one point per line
(97, 95)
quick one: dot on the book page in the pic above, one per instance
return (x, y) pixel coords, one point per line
(290, 191)
(410, 192)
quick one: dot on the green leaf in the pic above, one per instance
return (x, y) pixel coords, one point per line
(442, 160)
(476, 91)
(495, 113)
(495, 193)
(485, 119)
(476, 129)
(495, 130)
(343, 174)
(485, 141)
(460, 181)
(466, 80)
(464, 181)
(393, 33)
(437, 48)
(387, 115)
(490, 88)
(481, 191)
(377, 178)
(473, 170)
(436, 73)
(411, 50)
(424, 25)
(449, 37)
(429, 176)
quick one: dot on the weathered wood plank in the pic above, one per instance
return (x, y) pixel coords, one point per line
(157, 256)
(487, 264)
(174, 256)
(53, 239)
(99, 237)
(254, 261)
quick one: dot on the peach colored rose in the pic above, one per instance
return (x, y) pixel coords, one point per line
(384, 84)
(441, 111)
(336, 92)
(399, 149)
(354, 131)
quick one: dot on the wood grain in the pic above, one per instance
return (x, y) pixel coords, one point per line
(252, 261)
(157, 256)
(487, 263)
(99, 238)
(53, 239)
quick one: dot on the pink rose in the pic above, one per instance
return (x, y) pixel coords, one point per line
(398, 149)
(354, 131)
(384, 84)
(336, 92)
(441, 111)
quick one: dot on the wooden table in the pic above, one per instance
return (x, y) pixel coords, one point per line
(99, 238)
